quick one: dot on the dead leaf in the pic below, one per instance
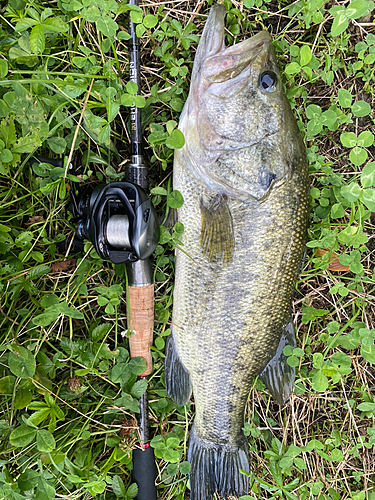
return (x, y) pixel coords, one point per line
(334, 263)
(34, 220)
(63, 265)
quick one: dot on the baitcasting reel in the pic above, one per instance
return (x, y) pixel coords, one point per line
(119, 220)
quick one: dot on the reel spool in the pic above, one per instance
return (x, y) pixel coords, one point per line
(119, 220)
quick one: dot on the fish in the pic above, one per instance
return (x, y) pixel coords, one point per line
(243, 175)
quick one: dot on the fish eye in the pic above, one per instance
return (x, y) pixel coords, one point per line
(268, 81)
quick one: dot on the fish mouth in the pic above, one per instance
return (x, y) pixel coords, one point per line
(229, 62)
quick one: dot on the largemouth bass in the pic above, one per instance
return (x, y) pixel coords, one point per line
(243, 175)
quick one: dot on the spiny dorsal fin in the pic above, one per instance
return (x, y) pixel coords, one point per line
(217, 239)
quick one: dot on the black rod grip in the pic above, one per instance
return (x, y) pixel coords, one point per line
(144, 473)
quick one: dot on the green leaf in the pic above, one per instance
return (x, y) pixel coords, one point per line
(337, 211)
(368, 175)
(339, 25)
(293, 361)
(37, 39)
(104, 134)
(318, 360)
(27, 144)
(123, 35)
(137, 365)
(176, 140)
(336, 455)
(46, 318)
(351, 192)
(136, 16)
(361, 108)
(45, 491)
(3, 68)
(288, 350)
(22, 436)
(150, 21)
(131, 87)
(56, 24)
(176, 104)
(314, 126)
(172, 456)
(345, 98)
(28, 480)
(305, 55)
(96, 487)
(366, 407)
(112, 109)
(320, 381)
(292, 68)
(7, 384)
(348, 139)
(175, 199)
(159, 190)
(286, 462)
(358, 156)
(69, 311)
(365, 139)
(185, 467)
(139, 388)
(128, 403)
(313, 111)
(132, 491)
(6, 156)
(57, 144)
(23, 398)
(48, 300)
(329, 119)
(45, 441)
(127, 100)
(368, 197)
(368, 353)
(300, 463)
(359, 8)
(139, 101)
(22, 362)
(118, 487)
(24, 24)
(107, 26)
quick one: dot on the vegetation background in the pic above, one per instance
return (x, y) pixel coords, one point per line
(68, 389)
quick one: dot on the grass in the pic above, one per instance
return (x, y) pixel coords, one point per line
(69, 392)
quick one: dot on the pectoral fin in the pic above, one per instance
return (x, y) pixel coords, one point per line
(278, 376)
(217, 239)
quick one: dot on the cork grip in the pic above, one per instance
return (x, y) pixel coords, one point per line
(141, 311)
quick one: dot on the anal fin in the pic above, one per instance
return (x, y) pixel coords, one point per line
(177, 378)
(278, 376)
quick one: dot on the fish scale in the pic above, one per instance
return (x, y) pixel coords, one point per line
(243, 176)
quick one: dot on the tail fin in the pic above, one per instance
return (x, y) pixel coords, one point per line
(216, 468)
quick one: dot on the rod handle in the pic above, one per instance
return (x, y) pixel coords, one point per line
(144, 473)
(141, 312)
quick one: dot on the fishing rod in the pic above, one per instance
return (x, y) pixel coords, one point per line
(140, 290)
(123, 226)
